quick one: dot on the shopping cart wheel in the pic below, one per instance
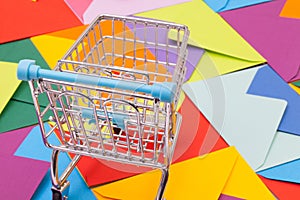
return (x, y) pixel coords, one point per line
(57, 195)
(61, 193)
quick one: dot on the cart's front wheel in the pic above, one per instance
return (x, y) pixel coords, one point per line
(57, 195)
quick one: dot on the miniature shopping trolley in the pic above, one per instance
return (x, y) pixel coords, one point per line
(113, 96)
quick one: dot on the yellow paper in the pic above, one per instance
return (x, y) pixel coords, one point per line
(220, 172)
(297, 89)
(197, 178)
(52, 48)
(244, 183)
(8, 82)
(227, 50)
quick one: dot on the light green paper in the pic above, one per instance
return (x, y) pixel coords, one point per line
(226, 48)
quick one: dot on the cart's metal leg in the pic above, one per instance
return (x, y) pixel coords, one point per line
(60, 185)
(163, 183)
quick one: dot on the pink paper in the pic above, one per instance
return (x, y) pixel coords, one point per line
(116, 7)
(20, 176)
(276, 38)
(78, 7)
(10, 141)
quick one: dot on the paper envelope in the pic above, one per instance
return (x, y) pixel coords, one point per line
(282, 190)
(206, 177)
(275, 37)
(222, 5)
(8, 82)
(241, 119)
(284, 148)
(226, 50)
(291, 9)
(194, 139)
(23, 19)
(88, 10)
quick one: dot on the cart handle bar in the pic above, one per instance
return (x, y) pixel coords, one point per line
(27, 70)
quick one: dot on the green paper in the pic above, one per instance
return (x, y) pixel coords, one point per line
(17, 115)
(16, 51)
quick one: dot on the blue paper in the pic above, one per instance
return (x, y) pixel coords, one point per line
(269, 84)
(286, 172)
(33, 147)
(223, 5)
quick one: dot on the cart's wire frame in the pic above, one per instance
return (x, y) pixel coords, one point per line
(114, 94)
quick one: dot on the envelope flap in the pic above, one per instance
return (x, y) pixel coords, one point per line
(188, 179)
(207, 29)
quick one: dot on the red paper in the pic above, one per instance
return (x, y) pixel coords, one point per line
(25, 18)
(282, 190)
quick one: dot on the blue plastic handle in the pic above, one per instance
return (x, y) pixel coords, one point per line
(27, 70)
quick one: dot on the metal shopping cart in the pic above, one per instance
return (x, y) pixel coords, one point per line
(113, 95)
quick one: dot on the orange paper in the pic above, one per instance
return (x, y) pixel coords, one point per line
(291, 9)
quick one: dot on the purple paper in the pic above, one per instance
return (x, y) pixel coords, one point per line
(276, 38)
(226, 197)
(160, 36)
(10, 141)
(20, 176)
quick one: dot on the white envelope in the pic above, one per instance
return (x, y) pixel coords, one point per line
(245, 121)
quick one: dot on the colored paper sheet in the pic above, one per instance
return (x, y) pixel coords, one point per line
(284, 149)
(33, 147)
(48, 47)
(189, 180)
(31, 18)
(268, 83)
(8, 82)
(234, 114)
(53, 46)
(291, 9)
(78, 7)
(10, 141)
(286, 172)
(282, 190)
(276, 38)
(11, 118)
(223, 54)
(88, 10)
(20, 176)
(222, 5)
(194, 139)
